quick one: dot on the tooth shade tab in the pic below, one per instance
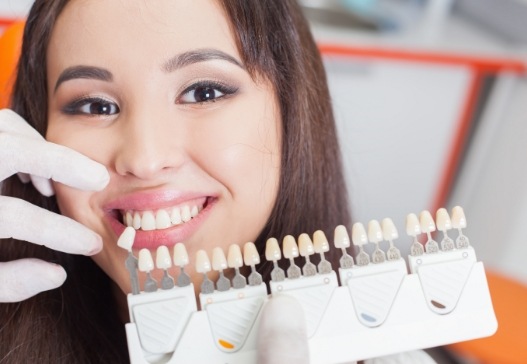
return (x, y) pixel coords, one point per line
(458, 218)
(374, 231)
(290, 248)
(443, 221)
(413, 227)
(320, 242)
(219, 261)
(180, 255)
(163, 260)
(235, 259)
(202, 262)
(341, 237)
(427, 222)
(126, 240)
(305, 245)
(272, 250)
(146, 263)
(389, 231)
(250, 254)
(358, 234)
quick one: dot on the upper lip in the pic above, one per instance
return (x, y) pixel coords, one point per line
(152, 200)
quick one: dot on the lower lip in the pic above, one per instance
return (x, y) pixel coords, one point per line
(168, 237)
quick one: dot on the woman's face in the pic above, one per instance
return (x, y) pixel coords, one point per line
(157, 92)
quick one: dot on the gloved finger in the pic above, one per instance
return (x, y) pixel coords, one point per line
(24, 278)
(282, 335)
(43, 185)
(50, 161)
(24, 221)
(12, 123)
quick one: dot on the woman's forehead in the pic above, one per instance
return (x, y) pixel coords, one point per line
(89, 30)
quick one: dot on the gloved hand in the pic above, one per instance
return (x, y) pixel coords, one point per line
(282, 335)
(24, 151)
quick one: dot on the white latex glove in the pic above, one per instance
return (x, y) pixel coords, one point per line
(282, 335)
(24, 151)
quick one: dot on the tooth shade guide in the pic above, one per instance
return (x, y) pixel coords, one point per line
(306, 248)
(321, 245)
(219, 264)
(251, 258)
(235, 260)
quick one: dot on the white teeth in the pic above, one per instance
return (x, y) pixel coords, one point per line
(126, 240)
(374, 231)
(145, 261)
(136, 222)
(148, 222)
(162, 220)
(320, 242)
(180, 255)
(443, 220)
(128, 218)
(219, 262)
(235, 258)
(427, 222)
(413, 228)
(175, 217)
(272, 250)
(389, 230)
(358, 234)
(342, 239)
(290, 248)
(305, 245)
(194, 211)
(185, 214)
(163, 260)
(202, 262)
(250, 254)
(458, 218)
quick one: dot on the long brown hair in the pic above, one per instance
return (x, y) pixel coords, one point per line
(78, 322)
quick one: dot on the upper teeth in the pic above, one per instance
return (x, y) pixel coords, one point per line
(160, 219)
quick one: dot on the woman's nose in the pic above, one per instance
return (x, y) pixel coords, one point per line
(148, 149)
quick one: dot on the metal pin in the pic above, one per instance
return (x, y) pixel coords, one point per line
(126, 241)
(459, 222)
(273, 254)
(413, 228)
(203, 266)
(444, 224)
(390, 233)
(428, 226)
(251, 258)
(181, 260)
(342, 241)
(290, 250)
(305, 246)
(359, 237)
(219, 264)
(375, 236)
(235, 261)
(321, 245)
(146, 264)
(164, 262)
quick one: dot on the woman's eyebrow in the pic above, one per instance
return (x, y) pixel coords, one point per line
(195, 56)
(89, 72)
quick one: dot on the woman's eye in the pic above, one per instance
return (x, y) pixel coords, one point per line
(205, 92)
(92, 106)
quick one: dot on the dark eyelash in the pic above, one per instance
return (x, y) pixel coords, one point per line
(73, 107)
(223, 88)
